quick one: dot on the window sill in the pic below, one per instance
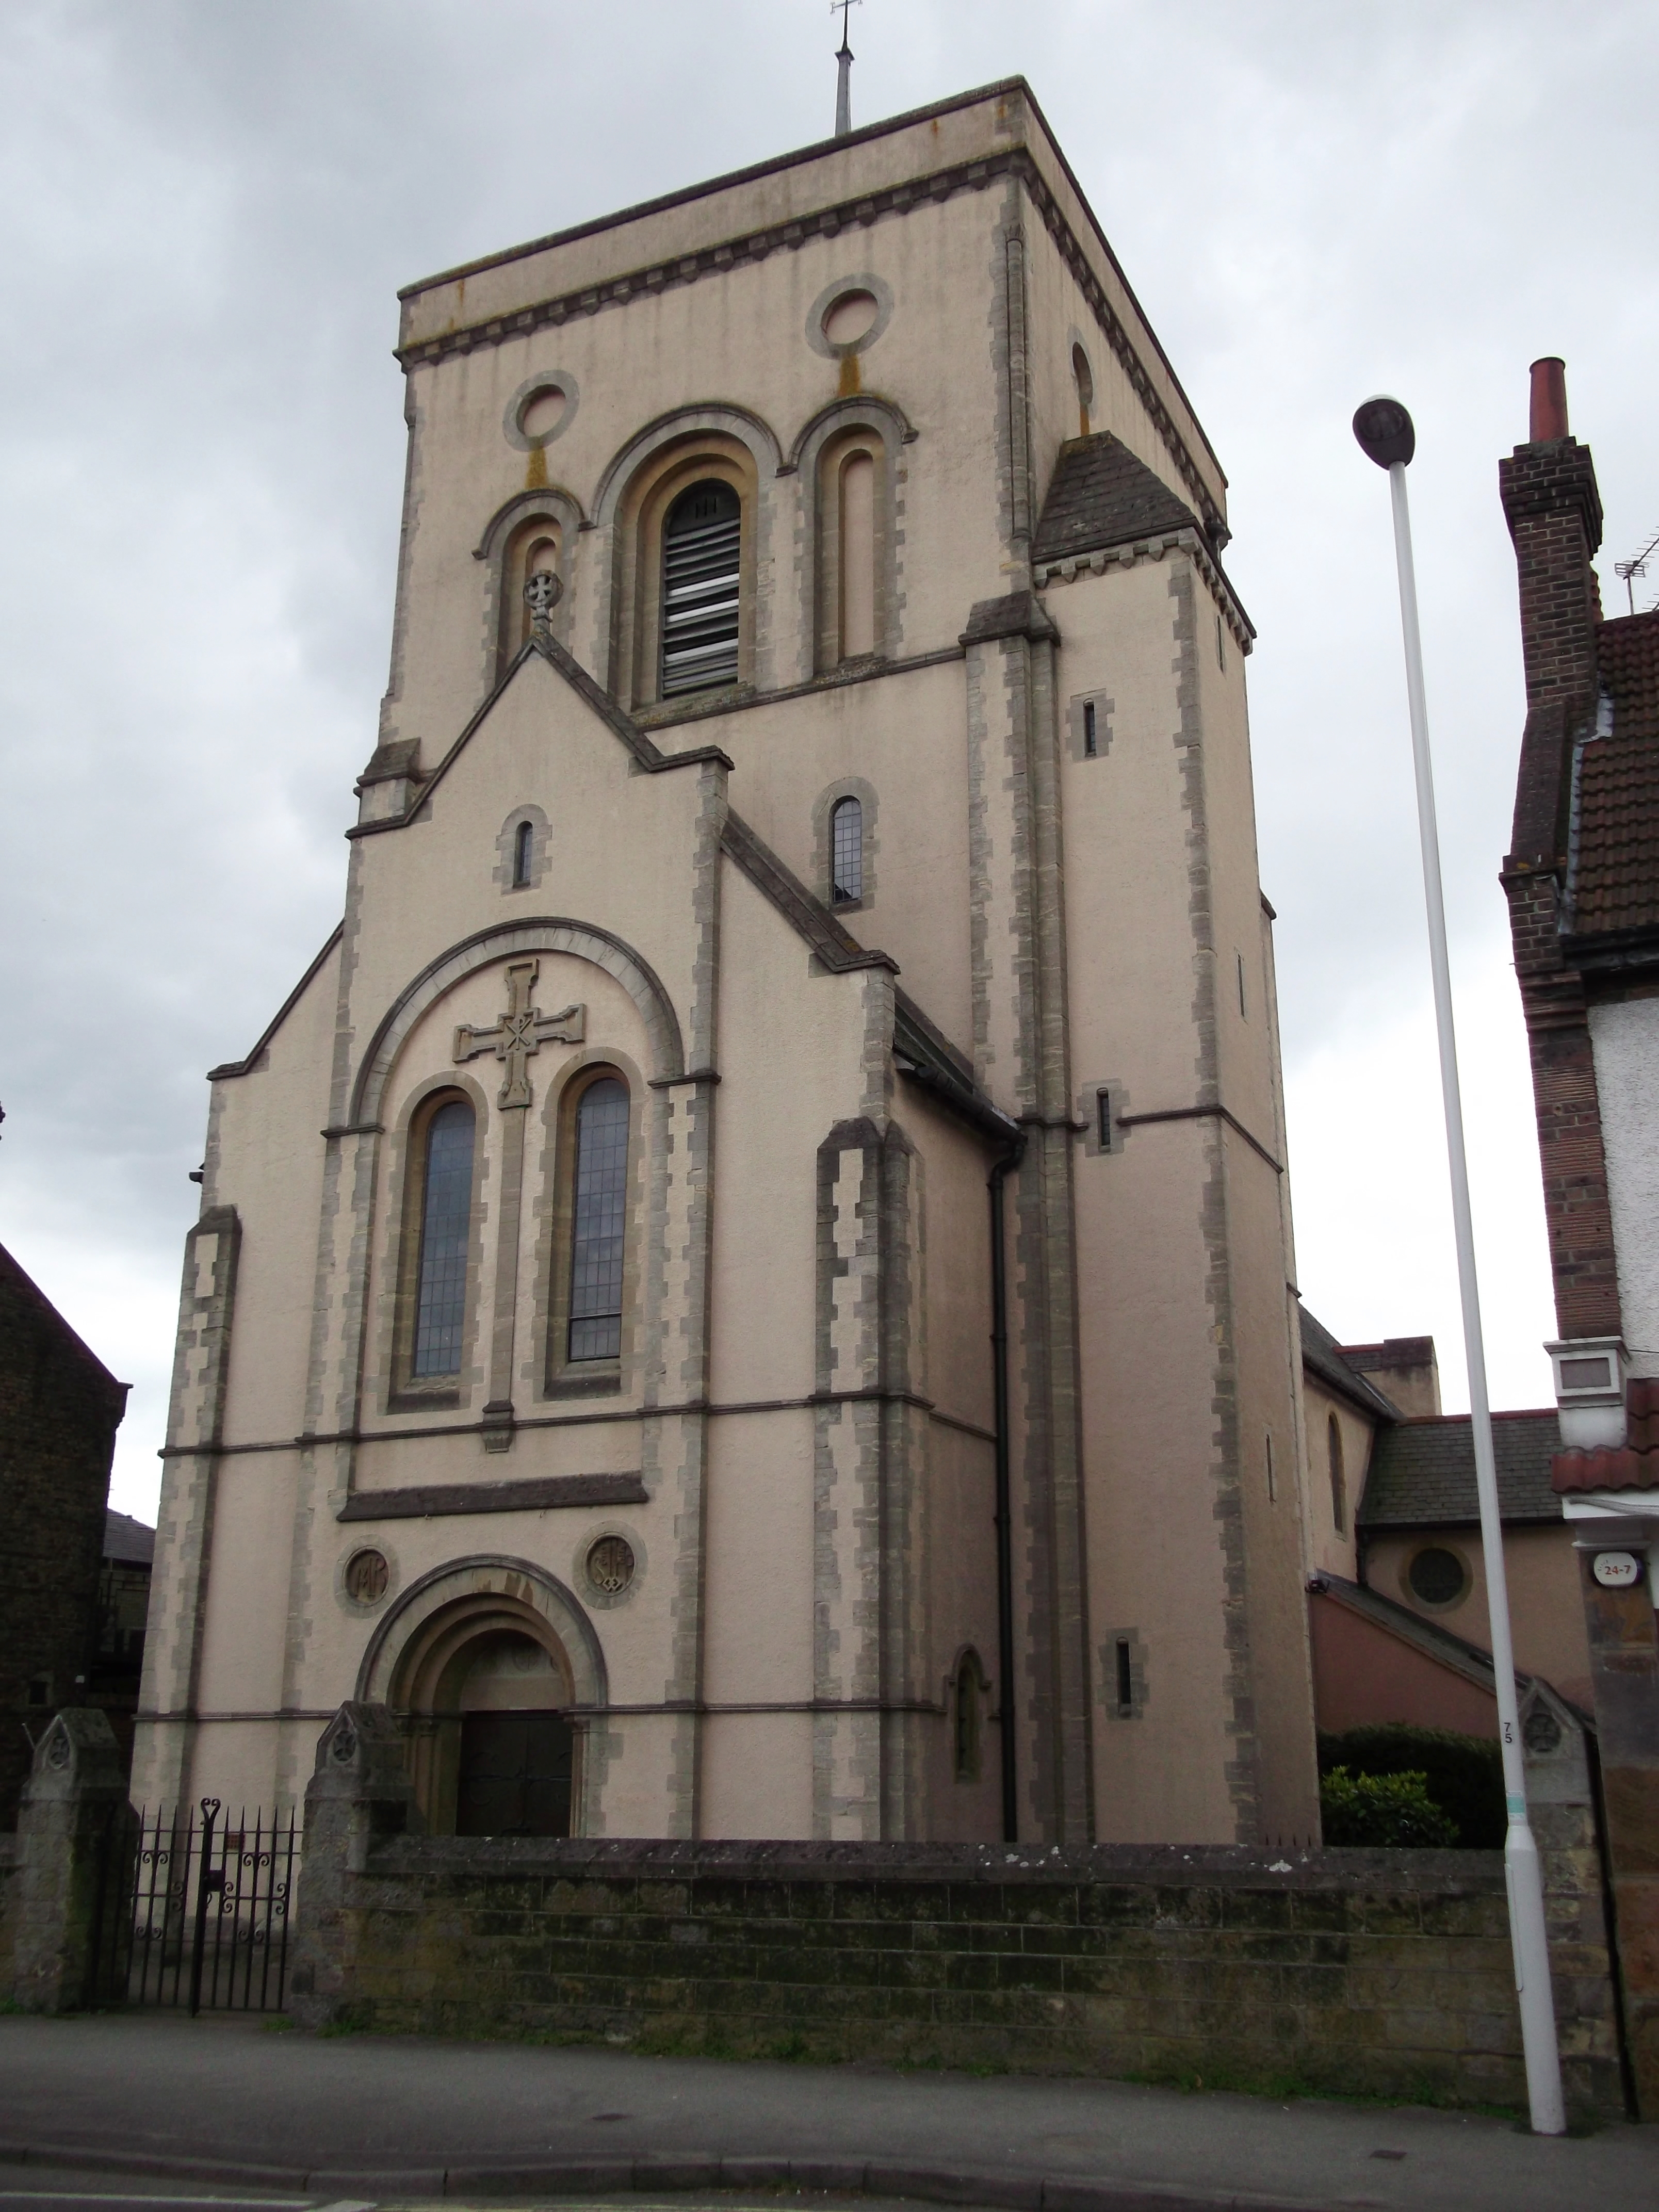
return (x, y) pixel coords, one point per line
(408, 1401)
(599, 1378)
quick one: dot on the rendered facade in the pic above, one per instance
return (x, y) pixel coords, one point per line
(747, 1292)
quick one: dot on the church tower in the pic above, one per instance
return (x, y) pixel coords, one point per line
(746, 1292)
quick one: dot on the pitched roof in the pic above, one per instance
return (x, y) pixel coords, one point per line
(1100, 496)
(1323, 1360)
(128, 1541)
(1422, 1472)
(28, 1296)
(1615, 863)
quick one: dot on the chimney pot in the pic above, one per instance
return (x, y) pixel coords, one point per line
(1549, 401)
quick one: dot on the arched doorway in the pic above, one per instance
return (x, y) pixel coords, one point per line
(490, 1668)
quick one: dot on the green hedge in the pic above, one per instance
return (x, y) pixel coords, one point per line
(1386, 1812)
(1463, 1775)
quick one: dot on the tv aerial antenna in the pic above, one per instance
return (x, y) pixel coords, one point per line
(1628, 571)
(844, 70)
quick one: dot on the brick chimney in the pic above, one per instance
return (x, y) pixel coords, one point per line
(1554, 513)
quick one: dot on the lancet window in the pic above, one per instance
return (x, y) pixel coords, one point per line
(1338, 1478)
(598, 1221)
(847, 853)
(446, 1225)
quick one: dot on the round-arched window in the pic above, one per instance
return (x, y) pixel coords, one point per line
(701, 572)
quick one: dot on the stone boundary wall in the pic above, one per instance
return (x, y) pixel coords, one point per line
(1375, 1972)
(7, 1872)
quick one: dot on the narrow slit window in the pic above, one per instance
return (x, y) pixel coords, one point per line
(1220, 647)
(1090, 746)
(1104, 1119)
(1338, 1477)
(446, 1223)
(1273, 1479)
(598, 1222)
(1126, 1681)
(524, 851)
(1239, 956)
(967, 1716)
(847, 853)
(701, 568)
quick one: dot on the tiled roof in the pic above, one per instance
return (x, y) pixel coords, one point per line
(1632, 1465)
(1422, 1472)
(1615, 870)
(1322, 1360)
(1100, 496)
(128, 1541)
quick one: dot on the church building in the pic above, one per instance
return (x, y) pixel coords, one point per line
(748, 1290)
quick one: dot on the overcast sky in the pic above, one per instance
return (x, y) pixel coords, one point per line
(205, 211)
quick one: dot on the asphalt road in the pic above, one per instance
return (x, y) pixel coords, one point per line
(224, 2107)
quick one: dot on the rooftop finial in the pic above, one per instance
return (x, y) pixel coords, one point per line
(844, 79)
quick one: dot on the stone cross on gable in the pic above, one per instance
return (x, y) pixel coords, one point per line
(522, 1029)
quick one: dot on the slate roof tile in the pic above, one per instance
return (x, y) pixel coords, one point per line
(1322, 1357)
(1422, 1472)
(1101, 496)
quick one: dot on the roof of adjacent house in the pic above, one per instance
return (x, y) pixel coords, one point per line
(128, 1541)
(1100, 496)
(1614, 851)
(1422, 1472)
(1322, 1359)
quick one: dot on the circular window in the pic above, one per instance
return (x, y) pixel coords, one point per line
(1438, 1576)
(366, 1575)
(610, 1565)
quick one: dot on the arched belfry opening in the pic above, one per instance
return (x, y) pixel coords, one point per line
(485, 1687)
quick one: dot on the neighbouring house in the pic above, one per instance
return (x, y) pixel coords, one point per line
(59, 1409)
(117, 1658)
(1582, 878)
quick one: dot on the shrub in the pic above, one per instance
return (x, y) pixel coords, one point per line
(1465, 1773)
(1384, 1810)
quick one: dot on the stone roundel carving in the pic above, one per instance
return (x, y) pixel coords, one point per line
(541, 409)
(840, 306)
(367, 1575)
(610, 1565)
(59, 1751)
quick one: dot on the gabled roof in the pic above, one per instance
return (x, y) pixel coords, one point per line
(29, 1294)
(1101, 496)
(128, 1541)
(1422, 1472)
(1613, 883)
(1323, 1360)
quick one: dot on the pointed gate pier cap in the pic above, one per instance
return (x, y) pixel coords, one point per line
(1385, 431)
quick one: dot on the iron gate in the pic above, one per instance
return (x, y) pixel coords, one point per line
(210, 1910)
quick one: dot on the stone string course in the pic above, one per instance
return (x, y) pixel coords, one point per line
(1373, 1972)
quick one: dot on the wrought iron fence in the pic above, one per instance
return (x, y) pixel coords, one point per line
(210, 1898)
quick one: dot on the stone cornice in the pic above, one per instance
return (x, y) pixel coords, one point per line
(1153, 548)
(859, 213)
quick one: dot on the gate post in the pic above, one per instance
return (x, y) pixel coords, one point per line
(360, 1794)
(74, 1836)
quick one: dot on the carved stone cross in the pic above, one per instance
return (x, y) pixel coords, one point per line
(522, 1029)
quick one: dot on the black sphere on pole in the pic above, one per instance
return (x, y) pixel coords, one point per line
(1384, 431)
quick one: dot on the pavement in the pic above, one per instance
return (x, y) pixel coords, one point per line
(233, 2109)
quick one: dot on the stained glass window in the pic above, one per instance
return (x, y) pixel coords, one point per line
(847, 852)
(446, 1218)
(598, 1221)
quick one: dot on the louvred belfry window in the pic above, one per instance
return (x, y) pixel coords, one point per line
(701, 544)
